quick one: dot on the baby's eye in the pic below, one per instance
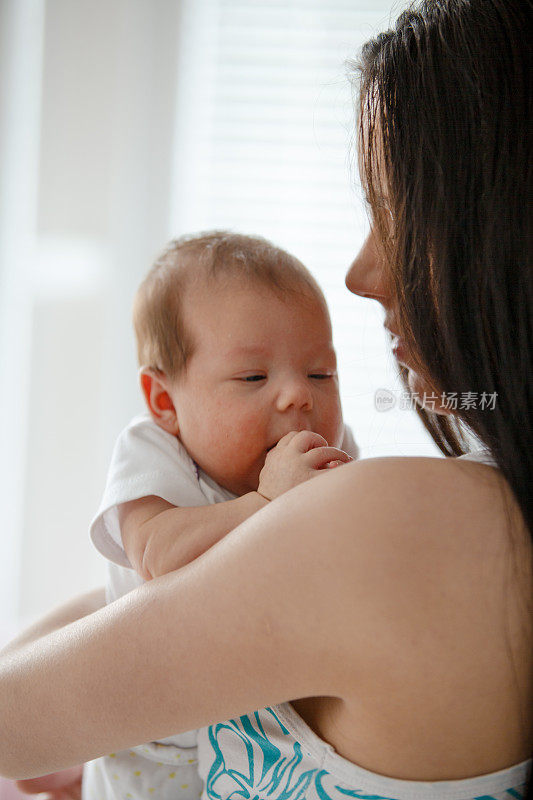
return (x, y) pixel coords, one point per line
(252, 378)
(321, 376)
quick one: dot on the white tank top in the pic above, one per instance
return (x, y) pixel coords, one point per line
(273, 754)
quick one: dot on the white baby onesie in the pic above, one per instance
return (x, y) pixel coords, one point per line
(146, 461)
(149, 461)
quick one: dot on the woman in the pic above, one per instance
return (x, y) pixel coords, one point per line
(388, 600)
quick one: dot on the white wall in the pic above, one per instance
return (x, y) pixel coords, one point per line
(21, 23)
(89, 89)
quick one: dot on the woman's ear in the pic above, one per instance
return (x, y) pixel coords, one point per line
(154, 385)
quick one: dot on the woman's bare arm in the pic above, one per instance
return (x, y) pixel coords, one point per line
(68, 612)
(312, 596)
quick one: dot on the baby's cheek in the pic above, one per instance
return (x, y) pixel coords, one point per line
(250, 441)
(334, 425)
(237, 438)
(237, 460)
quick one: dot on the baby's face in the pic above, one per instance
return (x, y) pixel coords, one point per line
(262, 367)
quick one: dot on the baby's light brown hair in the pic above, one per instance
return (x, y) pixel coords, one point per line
(211, 259)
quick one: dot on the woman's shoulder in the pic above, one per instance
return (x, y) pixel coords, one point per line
(397, 521)
(412, 539)
(434, 516)
(456, 506)
(433, 577)
(449, 495)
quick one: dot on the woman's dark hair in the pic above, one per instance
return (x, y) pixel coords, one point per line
(444, 140)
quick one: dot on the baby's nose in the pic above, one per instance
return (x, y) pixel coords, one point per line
(295, 393)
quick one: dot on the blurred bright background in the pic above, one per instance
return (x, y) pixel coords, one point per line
(125, 123)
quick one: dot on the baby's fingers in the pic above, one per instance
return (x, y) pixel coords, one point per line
(319, 457)
(303, 440)
(65, 780)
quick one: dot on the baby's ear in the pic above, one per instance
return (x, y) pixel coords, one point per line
(154, 385)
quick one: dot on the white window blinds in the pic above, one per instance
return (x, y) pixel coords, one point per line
(264, 133)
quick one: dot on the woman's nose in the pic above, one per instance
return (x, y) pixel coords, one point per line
(295, 393)
(366, 276)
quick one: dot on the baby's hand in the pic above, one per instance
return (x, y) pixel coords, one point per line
(298, 456)
(63, 785)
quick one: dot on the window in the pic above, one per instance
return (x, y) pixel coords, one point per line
(264, 145)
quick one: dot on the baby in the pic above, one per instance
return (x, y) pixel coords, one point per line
(239, 377)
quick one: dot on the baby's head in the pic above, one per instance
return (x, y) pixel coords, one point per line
(235, 348)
